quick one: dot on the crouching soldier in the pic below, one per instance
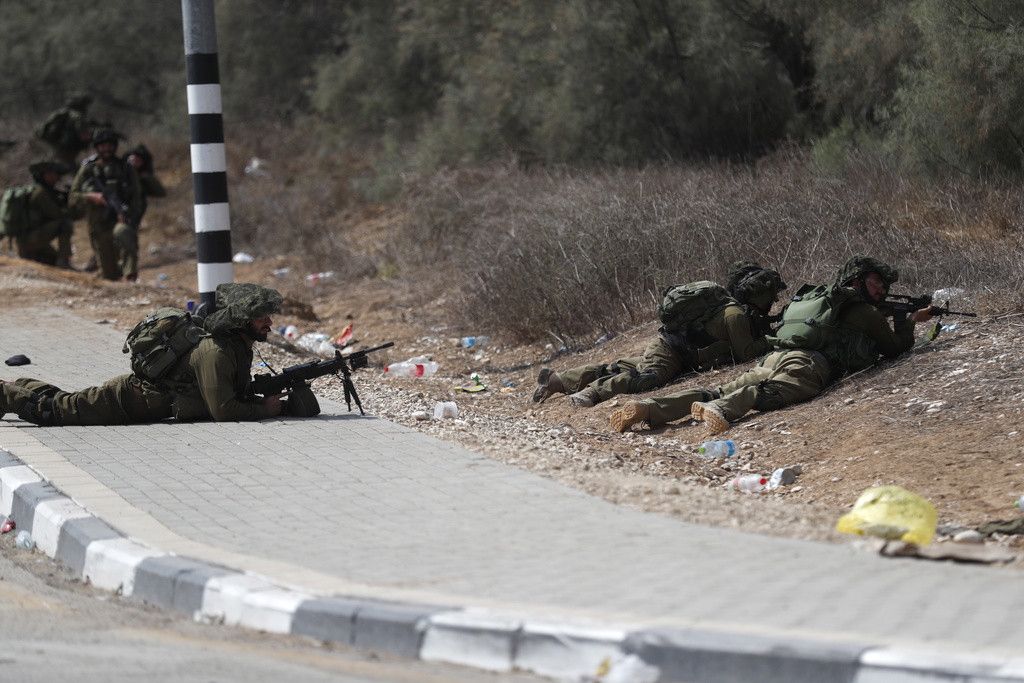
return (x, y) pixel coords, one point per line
(827, 331)
(48, 218)
(210, 381)
(703, 325)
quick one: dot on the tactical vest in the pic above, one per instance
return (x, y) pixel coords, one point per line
(687, 308)
(160, 342)
(811, 322)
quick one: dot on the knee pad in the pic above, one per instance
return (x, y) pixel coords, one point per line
(768, 397)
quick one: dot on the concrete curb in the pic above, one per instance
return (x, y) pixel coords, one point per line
(99, 554)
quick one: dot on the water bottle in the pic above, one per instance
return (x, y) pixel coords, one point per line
(289, 332)
(445, 409)
(24, 540)
(717, 449)
(410, 368)
(749, 483)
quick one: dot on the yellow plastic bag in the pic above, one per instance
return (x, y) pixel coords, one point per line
(893, 513)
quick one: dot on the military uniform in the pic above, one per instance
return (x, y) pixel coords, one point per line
(789, 376)
(730, 338)
(115, 242)
(212, 382)
(49, 219)
(151, 185)
(75, 128)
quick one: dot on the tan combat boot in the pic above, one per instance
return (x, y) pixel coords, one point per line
(712, 417)
(548, 384)
(630, 414)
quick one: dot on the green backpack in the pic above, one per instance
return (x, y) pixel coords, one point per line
(161, 341)
(810, 322)
(686, 308)
(15, 220)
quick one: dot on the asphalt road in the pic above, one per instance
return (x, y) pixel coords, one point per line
(55, 629)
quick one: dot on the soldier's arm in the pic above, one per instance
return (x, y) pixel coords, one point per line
(215, 372)
(737, 342)
(77, 196)
(891, 341)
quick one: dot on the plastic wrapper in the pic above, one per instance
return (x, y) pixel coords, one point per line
(893, 513)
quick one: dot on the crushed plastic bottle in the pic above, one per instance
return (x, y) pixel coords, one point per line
(414, 367)
(783, 476)
(311, 341)
(725, 448)
(749, 483)
(313, 279)
(473, 342)
(445, 409)
(24, 540)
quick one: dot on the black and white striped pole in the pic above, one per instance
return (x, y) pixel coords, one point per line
(209, 163)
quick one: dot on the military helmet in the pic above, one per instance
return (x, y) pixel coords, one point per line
(860, 266)
(101, 135)
(143, 153)
(747, 280)
(40, 167)
(80, 101)
(240, 302)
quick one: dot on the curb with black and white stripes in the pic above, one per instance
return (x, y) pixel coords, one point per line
(99, 554)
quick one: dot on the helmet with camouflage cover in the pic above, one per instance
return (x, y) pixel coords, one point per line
(751, 283)
(39, 168)
(858, 267)
(238, 303)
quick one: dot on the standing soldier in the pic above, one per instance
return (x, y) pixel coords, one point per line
(827, 332)
(704, 325)
(49, 218)
(108, 190)
(68, 130)
(141, 159)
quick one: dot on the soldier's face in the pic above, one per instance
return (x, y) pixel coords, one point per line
(259, 328)
(106, 150)
(875, 287)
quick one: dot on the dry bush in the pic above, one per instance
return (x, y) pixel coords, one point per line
(571, 254)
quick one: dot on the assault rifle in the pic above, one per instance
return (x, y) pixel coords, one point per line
(899, 306)
(271, 384)
(115, 205)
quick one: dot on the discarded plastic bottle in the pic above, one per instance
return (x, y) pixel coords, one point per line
(445, 409)
(473, 342)
(408, 368)
(24, 540)
(749, 483)
(289, 332)
(717, 448)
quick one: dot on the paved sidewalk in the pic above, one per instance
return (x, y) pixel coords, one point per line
(359, 506)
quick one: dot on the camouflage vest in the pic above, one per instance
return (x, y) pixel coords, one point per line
(811, 321)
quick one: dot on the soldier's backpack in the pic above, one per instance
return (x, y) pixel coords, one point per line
(160, 342)
(810, 322)
(15, 219)
(686, 308)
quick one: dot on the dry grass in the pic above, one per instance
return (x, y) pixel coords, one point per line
(572, 254)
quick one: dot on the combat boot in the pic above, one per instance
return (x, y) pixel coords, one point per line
(712, 417)
(548, 384)
(630, 414)
(585, 398)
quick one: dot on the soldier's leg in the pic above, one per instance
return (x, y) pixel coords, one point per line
(122, 400)
(127, 242)
(659, 365)
(106, 252)
(660, 410)
(34, 248)
(64, 244)
(575, 379)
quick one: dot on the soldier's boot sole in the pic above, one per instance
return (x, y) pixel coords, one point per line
(713, 419)
(548, 384)
(628, 415)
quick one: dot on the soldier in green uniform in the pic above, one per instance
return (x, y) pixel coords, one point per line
(49, 218)
(108, 190)
(804, 362)
(734, 333)
(69, 129)
(141, 159)
(212, 382)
